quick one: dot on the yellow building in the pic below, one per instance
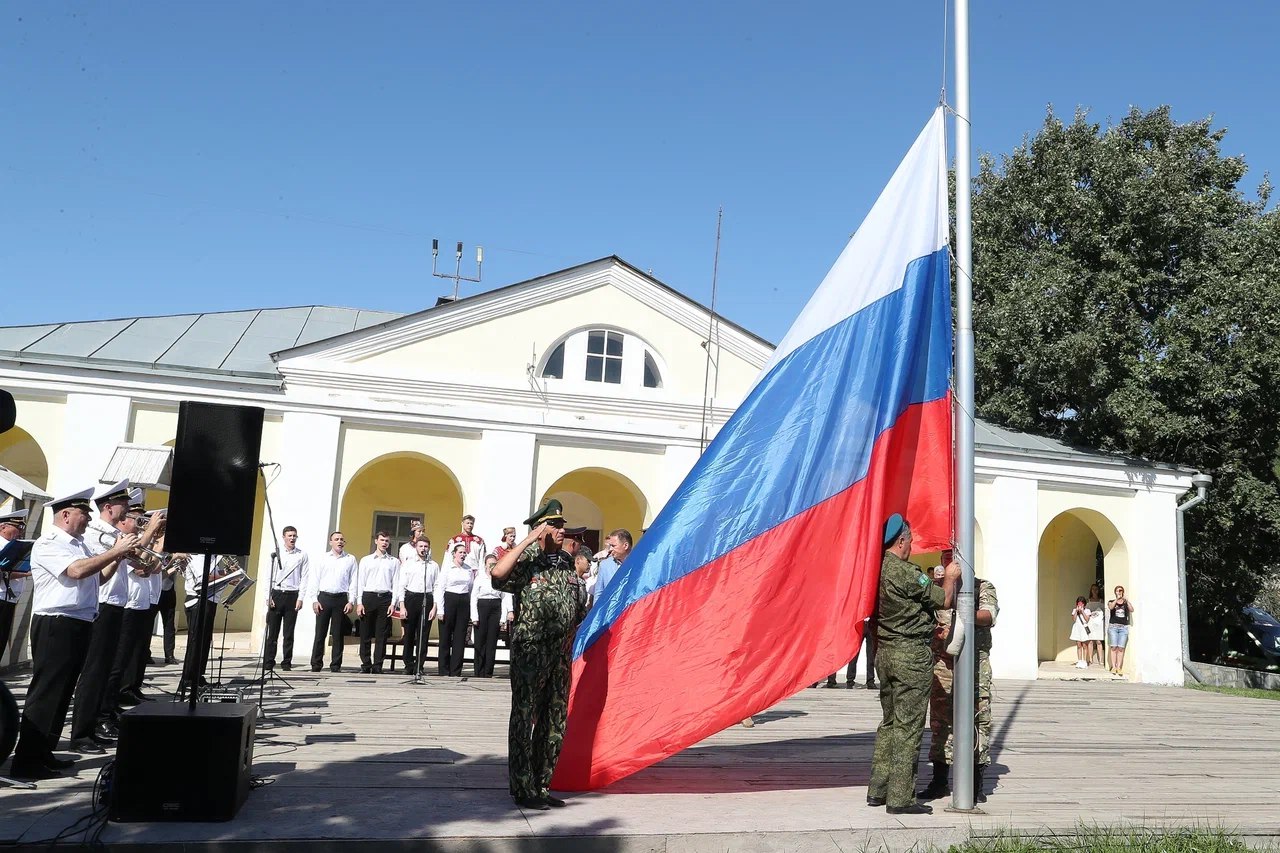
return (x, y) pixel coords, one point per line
(591, 385)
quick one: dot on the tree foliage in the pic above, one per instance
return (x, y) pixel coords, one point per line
(1125, 299)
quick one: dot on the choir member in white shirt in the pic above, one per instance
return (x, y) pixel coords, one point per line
(285, 600)
(408, 549)
(332, 591)
(87, 736)
(64, 574)
(488, 609)
(414, 594)
(375, 590)
(453, 597)
(12, 526)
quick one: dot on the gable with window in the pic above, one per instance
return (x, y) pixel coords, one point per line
(605, 356)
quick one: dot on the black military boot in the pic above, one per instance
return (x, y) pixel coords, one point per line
(939, 785)
(979, 793)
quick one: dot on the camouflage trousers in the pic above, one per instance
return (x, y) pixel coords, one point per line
(905, 671)
(539, 705)
(940, 713)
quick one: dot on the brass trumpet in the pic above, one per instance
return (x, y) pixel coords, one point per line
(151, 559)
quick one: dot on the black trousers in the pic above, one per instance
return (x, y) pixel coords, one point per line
(453, 632)
(198, 644)
(127, 664)
(869, 638)
(168, 613)
(144, 648)
(489, 615)
(329, 621)
(7, 610)
(95, 673)
(283, 611)
(417, 606)
(59, 645)
(374, 627)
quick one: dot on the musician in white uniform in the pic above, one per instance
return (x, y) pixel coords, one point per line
(90, 734)
(65, 575)
(285, 598)
(200, 620)
(124, 687)
(12, 526)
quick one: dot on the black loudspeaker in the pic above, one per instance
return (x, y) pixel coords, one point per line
(174, 762)
(8, 411)
(213, 489)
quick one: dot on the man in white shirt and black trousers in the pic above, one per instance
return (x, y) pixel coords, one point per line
(87, 734)
(290, 578)
(415, 583)
(375, 588)
(332, 589)
(65, 577)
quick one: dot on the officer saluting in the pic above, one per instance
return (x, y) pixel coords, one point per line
(904, 662)
(550, 610)
(65, 602)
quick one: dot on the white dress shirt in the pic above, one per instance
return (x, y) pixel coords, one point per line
(137, 587)
(291, 574)
(191, 577)
(416, 575)
(475, 553)
(453, 579)
(56, 594)
(377, 573)
(407, 550)
(482, 590)
(156, 582)
(334, 574)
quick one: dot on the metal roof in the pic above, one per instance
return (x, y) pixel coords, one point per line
(142, 465)
(19, 489)
(239, 342)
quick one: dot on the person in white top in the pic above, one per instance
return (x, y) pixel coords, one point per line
(408, 549)
(453, 597)
(415, 585)
(488, 610)
(64, 575)
(290, 575)
(12, 526)
(202, 615)
(128, 667)
(375, 591)
(332, 591)
(88, 736)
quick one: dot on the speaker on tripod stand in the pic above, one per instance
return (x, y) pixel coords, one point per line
(212, 500)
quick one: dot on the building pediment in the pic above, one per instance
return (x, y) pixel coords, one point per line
(502, 340)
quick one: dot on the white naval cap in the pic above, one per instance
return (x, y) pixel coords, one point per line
(76, 499)
(114, 492)
(16, 516)
(137, 498)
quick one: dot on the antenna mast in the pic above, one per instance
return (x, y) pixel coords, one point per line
(456, 275)
(713, 339)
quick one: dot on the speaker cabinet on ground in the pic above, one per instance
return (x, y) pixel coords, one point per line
(214, 486)
(182, 764)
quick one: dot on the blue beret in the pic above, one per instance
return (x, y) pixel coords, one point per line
(893, 527)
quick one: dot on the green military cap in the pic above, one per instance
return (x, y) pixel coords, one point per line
(551, 512)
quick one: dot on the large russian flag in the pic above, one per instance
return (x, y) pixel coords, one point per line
(754, 579)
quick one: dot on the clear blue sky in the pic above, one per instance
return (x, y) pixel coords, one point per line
(179, 157)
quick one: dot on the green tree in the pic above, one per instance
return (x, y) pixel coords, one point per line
(1125, 299)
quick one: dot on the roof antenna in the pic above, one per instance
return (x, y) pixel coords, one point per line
(456, 275)
(713, 339)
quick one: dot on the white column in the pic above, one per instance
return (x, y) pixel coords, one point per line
(94, 425)
(1012, 563)
(303, 496)
(676, 465)
(503, 495)
(1152, 541)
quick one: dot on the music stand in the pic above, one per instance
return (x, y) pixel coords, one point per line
(239, 589)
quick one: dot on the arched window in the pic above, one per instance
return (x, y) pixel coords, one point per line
(604, 356)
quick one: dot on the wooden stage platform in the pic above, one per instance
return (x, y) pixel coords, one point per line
(355, 758)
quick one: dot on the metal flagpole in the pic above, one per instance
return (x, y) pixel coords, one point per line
(962, 793)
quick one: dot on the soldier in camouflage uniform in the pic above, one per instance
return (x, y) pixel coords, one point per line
(940, 709)
(904, 663)
(551, 607)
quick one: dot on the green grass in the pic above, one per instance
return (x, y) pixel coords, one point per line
(1249, 692)
(1101, 839)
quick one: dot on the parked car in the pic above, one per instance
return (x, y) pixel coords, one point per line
(1251, 642)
